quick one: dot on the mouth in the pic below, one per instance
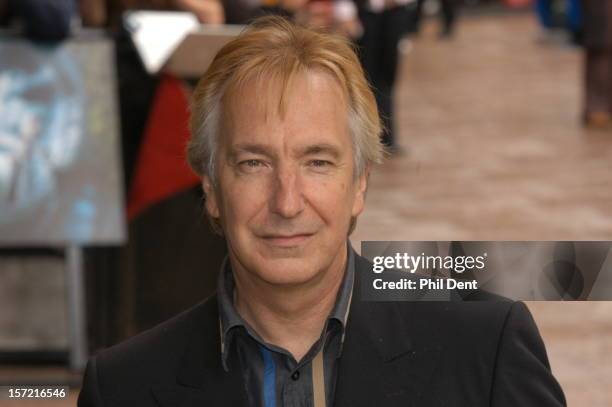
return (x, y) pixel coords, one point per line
(287, 240)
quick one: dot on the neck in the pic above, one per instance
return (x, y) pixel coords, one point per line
(291, 317)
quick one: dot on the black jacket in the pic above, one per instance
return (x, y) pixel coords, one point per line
(395, 354)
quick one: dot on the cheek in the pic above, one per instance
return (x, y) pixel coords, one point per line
(332, 200)
(243, 201)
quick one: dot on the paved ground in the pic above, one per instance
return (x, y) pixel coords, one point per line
(578, 337)
(495, 149)
(495, 152)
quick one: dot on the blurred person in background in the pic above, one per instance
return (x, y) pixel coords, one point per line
(41, 20)
(384, 24)
(544, 12)
(448, 16)
(598, 63)
(574, 21)
(565, 14)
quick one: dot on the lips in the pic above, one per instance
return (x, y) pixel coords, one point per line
(287, 240)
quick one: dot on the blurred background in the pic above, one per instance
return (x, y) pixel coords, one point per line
(498, 118)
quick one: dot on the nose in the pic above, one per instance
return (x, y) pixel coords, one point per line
(287, 196)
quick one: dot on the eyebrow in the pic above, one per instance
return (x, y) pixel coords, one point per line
(322, 148)
(253, 148)
(261, 149)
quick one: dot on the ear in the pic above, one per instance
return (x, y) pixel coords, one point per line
(211, 201)
(360, 192)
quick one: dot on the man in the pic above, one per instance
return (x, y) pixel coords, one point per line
(284, 131)
(384, 25)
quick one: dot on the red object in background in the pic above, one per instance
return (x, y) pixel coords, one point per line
(518, 3)
(161, 169)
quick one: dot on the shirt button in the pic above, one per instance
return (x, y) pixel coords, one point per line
(296, 375)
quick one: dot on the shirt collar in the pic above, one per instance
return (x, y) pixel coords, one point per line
(230, 319)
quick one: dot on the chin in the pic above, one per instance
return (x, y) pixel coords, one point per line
(287, 271)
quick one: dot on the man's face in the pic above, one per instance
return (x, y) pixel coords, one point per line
(286, 188)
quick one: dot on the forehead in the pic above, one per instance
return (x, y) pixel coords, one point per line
(311, 107)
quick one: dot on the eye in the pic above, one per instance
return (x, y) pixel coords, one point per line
(319, 163)
(251, 163)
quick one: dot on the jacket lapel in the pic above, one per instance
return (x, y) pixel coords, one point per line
(380, 363)
(201, 379)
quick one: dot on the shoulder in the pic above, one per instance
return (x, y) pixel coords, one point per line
(127, 370)
(163, 340)
(486, 348)
(479, 317)
(463, 322)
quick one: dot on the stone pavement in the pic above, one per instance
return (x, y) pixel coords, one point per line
(495, 150)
